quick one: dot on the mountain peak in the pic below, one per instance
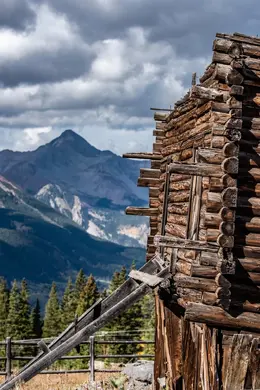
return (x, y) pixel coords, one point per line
(70, 138)
(69, 132)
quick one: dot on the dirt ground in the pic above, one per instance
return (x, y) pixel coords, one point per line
(63, 381)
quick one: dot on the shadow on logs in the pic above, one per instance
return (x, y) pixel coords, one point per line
(245, 291)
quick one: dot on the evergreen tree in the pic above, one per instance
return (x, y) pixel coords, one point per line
(88, 295)
(128, 321)
(4, 307)
(14, 318)
(68, 305)
(148, 312)
(80, 283)
(36, 321)
(25, 323)
(52, 320)
(117, 280)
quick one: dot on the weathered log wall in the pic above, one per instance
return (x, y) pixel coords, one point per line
(204, 213)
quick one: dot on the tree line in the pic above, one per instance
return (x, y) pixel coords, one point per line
(20, 320)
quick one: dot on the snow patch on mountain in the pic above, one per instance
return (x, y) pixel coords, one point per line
(95, 215)
(139, 232)
(94, 230)
(76, 211)
(106, 224)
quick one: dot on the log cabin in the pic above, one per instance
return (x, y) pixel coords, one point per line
(204, 210)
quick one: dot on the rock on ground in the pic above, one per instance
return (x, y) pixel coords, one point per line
(141, 371)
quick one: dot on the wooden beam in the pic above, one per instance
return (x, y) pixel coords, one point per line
(175, 242)
(160, 109)
(147, 212)
(143, 156)
(151, 280)
(215, 316)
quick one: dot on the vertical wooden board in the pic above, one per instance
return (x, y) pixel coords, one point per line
(191, 357)
(173, 330)
(238, 362)
(213, 359)
(159, 368)
(254, 364)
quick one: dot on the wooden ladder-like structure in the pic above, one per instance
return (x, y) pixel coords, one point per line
(140, 282)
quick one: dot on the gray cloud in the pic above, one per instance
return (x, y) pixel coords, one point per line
(16, 14)
(98, 66)
(65, 64)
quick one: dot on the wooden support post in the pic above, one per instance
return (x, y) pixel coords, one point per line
(194, 79)
(92, 358)
(76, 322)
(8, 355)
(41, 344)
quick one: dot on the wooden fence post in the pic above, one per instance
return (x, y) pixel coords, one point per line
(8, 355)
(92, 358)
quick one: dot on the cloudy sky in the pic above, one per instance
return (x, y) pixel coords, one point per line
(97, 66)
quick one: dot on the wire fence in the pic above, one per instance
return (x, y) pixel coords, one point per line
(14, 352)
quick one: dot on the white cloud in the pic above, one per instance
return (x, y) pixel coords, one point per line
(31, 138)
(51, 33)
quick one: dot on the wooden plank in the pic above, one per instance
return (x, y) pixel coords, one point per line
(236, 369)
(254, 364)
(151, 280)
(175, 242)
(143, 156)
(8, 355)
(141, 211)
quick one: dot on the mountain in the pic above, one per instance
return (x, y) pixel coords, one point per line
(42, 245)
(99, 178)
(108, 224)
(90, 186)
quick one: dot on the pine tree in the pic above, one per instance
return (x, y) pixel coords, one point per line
(25, 323)
(117, 280)
(14, 318)
(128, 321)
(68, 305)
(36, 321)
(88, 295)
(52, 320)
(80, 283)
(148, 312)
(4, 307)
